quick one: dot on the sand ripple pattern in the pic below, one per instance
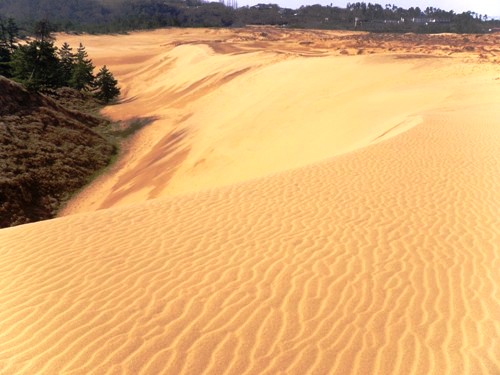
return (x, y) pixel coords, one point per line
(381, 261)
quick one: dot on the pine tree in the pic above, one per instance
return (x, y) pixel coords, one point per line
(5, 58)
(12, 31)
(4, 51)
(36, 65)
(8, 35)
(82, 77)
(43, 31)
(106, 85)
(67, 63)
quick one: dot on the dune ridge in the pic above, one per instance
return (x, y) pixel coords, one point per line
(219, 121)
(379, 259)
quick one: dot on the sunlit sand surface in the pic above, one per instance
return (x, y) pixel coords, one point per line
(295, 206)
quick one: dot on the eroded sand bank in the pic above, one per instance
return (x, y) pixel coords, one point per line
(381, 260)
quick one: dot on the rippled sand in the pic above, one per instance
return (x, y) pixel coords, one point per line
(284, 213)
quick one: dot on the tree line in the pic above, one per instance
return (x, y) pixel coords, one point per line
(39, 64)
(107, 16)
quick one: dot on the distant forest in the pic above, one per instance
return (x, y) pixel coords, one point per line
(115, 16)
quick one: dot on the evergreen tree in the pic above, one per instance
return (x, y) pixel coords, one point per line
(5, 52)
(8, 35)
(82, 77)
(12, 32)
(43, 31)
(5, 58)
(106, 85)
(36, 65)
(67, 63)
(3, 34)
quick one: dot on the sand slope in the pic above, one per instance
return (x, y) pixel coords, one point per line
(382, 260)
(249, 106)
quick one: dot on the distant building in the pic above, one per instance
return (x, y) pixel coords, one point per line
(420, 20)
(264, 6)
(428, 20)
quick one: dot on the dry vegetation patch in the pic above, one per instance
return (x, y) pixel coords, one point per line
(47, 152)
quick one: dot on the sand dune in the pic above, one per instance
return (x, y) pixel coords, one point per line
(377, 256)
(219, 121)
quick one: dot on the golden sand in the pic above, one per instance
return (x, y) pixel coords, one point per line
(322, 212)
(232, 105)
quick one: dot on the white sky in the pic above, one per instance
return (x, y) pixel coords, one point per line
(489, 7)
